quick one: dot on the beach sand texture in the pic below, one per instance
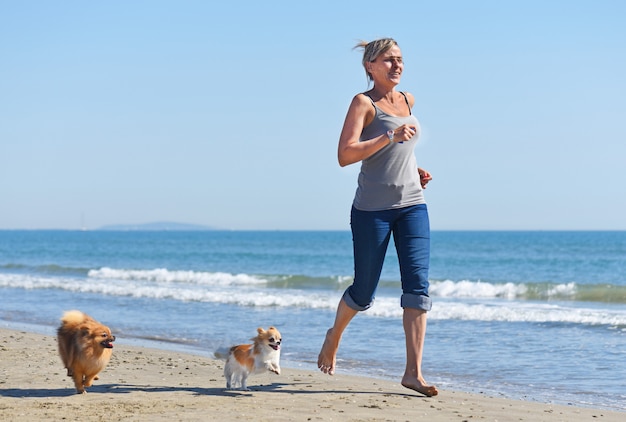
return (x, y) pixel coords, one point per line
(142, 384)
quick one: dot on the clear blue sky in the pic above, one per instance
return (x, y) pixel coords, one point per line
(228, 113)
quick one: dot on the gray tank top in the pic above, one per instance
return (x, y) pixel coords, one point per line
(389, 178)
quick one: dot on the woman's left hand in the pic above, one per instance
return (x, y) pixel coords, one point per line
(425, 177)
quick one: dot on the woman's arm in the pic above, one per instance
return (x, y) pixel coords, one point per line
(360, 114)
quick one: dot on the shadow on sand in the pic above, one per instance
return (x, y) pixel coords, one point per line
(129, 388)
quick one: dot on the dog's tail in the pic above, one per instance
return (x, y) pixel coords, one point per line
(73, 318)
(223, 352)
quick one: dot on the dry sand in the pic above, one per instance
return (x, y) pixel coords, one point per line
(142, 384)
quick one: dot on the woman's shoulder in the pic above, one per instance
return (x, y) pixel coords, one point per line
(362, 101)
(363, 108)
(363, 97)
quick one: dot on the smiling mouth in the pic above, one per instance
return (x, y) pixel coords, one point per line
(275, 346)
(107, 344)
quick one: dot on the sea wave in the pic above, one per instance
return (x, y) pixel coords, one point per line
(476, 289)
(164, 276)
(221, 292)
(459, 301)
(530, 291)
(159, 277)
(443, 288)
(511, 311)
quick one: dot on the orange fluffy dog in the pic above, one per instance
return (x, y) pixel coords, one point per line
(85, 347)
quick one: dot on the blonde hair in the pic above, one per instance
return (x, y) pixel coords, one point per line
(373, 49)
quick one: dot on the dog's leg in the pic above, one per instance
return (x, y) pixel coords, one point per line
(273, 367)
(244, 377)
(78, 382)
(228, 375)
(89, 379)
(229, 381)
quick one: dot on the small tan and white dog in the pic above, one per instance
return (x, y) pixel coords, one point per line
(246, 359)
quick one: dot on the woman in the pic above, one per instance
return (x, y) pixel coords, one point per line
(380, 131)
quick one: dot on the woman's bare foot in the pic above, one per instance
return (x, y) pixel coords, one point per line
(327, 357)
(420, 386)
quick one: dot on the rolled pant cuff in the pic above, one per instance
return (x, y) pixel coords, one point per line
(416, 302)
(352, 304)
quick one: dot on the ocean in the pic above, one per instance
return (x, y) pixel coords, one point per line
(538, 316)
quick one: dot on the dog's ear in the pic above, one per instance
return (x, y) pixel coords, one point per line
(260, 330)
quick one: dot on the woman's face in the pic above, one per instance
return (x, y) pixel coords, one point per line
(388, 66)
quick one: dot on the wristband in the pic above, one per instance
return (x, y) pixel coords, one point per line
(390, 134)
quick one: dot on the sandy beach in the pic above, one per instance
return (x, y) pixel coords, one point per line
(143, 384)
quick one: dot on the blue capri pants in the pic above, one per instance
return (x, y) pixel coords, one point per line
(371, 232)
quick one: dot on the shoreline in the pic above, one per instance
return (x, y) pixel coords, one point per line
(146, 384)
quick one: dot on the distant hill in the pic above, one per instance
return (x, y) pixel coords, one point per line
(158, 226)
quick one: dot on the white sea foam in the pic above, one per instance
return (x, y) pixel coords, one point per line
(507, 311)
(162, 275)
(480, 289)
(445, 289)
(460, 302)
(223, 292)
(476, 289)
(562, 290)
